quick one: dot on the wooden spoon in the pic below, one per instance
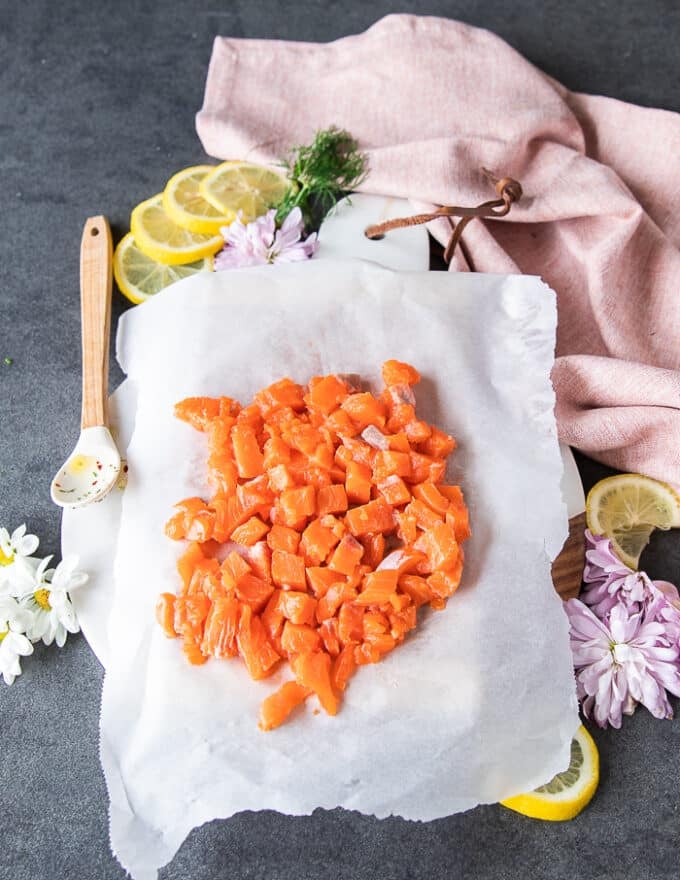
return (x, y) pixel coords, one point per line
(92, 469)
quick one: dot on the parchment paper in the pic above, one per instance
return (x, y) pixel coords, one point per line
(479, 702)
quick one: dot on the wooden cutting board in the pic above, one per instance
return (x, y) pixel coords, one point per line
(567, 569)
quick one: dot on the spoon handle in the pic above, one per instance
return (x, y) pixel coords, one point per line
(96, 250)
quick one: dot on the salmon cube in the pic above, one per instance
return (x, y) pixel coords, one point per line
(429, 494)
(374, 549)
(277, 707)
(328, 630)
(394, 490)
(191, 648)
(387, 462)
(165, 614)
(401, 415)
(445, 583)
(276, 452)
(340, 424)
(320, 578)
(250, 532)
(297, 504)
(331, 499)
(417, 588)
(438, 444)
(283, 538)
(190, 614)
(344, 667)
(284, 393)
(198, 411)
(254, 646)
(317, 542)
(329, 603)
(417, 431)
(280, 478)
(424, 515)
(407, 526)
(297, 607)
(221, 626)
(233, 569)
(288, 570)
(191, 557)
(253, 591)
(272, 616)
(346, 556)
(313, 670)
(358, 482)
(351, 624)
(440, 546)
(376, 516)
(299, 639)
(247, 454)
(425, 467)
(222, 473)
(399, 442)
(378, 587)
(364, 409)
(399, 373)
(326, 393)
(457, 514)
(259, 558)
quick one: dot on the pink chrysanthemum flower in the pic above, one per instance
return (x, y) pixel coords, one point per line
(260, 242)
(609, 581)
(667, 611)
(625, 659)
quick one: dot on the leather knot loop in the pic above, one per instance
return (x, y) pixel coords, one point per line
(509, 188)
(509, 191)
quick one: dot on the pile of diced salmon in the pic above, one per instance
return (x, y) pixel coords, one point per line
(329, 527)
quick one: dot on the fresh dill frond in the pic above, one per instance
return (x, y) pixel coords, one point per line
(321, 173)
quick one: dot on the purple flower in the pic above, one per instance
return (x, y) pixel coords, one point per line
(609, 581)
(667, 609)
(260, 242)
(670, 592)
(626, 659)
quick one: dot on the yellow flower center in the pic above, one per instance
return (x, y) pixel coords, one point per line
(6, 560)
(42, 598)
(3, 634)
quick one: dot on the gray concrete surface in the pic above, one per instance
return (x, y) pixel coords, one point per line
(97, 105)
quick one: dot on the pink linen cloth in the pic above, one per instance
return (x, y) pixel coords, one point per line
(432, 101)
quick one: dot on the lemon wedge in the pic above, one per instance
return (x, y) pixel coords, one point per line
(139, 277)
(161, 239)
(567, 793)
(186, 207)
(627, 508)
(241, 186)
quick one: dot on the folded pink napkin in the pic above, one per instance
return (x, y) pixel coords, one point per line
(432, 101)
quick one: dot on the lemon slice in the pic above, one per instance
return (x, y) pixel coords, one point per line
(627, 508)
(139, 278)
(162, 240)
(567, 793)
(240, 186)
(185, 206)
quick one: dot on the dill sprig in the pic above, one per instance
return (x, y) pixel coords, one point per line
(321, 173)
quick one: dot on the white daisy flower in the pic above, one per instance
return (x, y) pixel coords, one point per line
(44, 594)
(18, 545)
(13, 643)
